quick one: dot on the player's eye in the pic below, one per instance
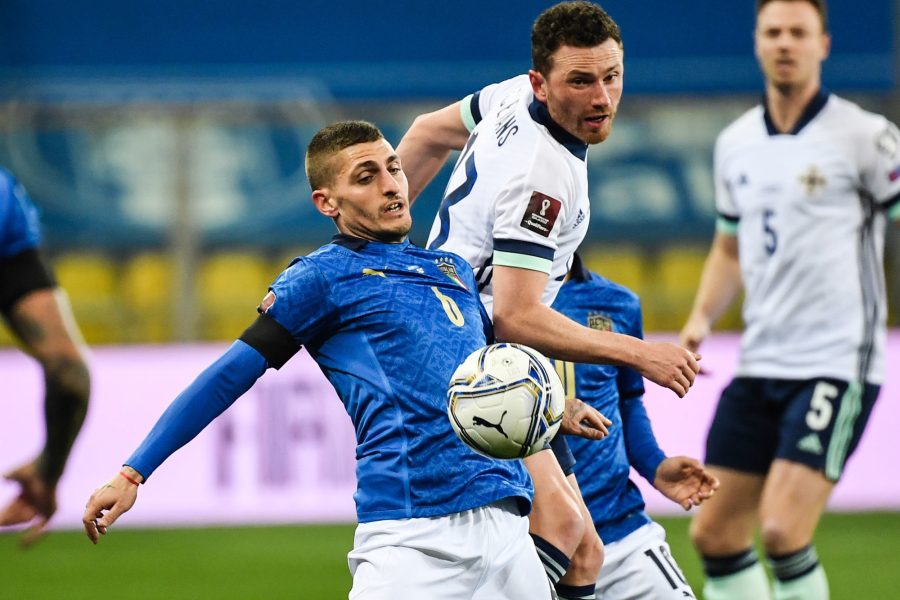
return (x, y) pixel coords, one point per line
(611, 77)
(366, 178)
(394, 169)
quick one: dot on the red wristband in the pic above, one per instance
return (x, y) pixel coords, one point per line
(127, 478)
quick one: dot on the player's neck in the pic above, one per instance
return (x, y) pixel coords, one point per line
(787, 103)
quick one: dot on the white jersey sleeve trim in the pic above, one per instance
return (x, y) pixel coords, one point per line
(465, 112)
(727, 226)
(522, 261)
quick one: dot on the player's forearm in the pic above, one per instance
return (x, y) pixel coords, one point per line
(198, 405)
(720, 282)
(643, 451)
(67, 389)
(559, 337)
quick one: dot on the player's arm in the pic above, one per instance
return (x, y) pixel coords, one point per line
(207, 397)
(720, 284)
(520, 316)
(427, 145)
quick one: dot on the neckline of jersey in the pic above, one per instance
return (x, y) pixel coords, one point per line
(813, 108)
(356, 244)
(540, 114)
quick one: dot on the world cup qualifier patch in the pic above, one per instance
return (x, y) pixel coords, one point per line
(541, 214)
(600, 322)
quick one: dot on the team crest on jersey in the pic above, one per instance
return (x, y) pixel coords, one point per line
(600, 322)
(541, 214)
(449, 269)
(812, 179)
(267, 302)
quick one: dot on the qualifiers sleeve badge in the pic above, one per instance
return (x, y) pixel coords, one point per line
(541, 214)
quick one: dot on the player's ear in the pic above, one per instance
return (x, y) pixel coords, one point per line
(538, 85)
(325, 203)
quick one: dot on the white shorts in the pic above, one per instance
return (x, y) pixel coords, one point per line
(484, 553)
(640, 565)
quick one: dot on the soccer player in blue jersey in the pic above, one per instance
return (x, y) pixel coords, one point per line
(637, 562)
(436, 520)
(39, 316)
(806, 183)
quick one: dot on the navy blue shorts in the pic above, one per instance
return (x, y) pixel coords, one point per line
(815, 422)
(563, 454)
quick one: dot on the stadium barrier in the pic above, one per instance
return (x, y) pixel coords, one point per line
(284, 453)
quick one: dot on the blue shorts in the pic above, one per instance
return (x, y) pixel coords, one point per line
(815, 422)
(563, 454)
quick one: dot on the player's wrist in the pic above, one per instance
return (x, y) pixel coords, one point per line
(131, 475)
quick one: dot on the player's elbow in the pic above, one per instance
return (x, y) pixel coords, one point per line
(507, 328)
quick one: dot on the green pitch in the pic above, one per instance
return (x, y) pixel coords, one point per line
(859, 552)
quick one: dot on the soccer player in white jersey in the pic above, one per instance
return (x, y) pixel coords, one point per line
(516, 208)
(804, 187)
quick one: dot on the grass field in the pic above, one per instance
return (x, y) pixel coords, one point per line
(860, 552)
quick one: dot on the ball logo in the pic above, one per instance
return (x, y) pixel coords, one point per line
(476, 420)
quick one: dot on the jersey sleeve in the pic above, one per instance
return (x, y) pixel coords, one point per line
(303, 302)
(880, 167)
(528, 216)
(474, 106)
(727, 215)
(629, 382)
(19, 225)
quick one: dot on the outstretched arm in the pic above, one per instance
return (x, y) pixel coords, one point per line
(207, 397)
(719, 286)
(518, 311)
(427, 145)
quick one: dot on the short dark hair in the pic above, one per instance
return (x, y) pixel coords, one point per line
(579, 24)
(821, 7)
(330, 140)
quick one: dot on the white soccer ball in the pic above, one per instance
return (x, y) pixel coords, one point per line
(505, 401)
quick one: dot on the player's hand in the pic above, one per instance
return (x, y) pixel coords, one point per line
(583, 420)
(115, 497)
(694, 332)
(35, 503)
(684, 480)
(670, 366)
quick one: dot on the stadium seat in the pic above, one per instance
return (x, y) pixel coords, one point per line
(90, 280)
(231, 285)
(147, 293)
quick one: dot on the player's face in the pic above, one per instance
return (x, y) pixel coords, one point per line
(368, 196)
(790, 44)
(583, 89)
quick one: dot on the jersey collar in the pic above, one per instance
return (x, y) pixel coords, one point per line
(356, 244)
(812, 109)
(578, 272)
(540, 114)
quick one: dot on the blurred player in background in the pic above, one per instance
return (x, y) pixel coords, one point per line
(516, 208)
(436, 520)
(804, 187)
(39, 315)
(638, 562)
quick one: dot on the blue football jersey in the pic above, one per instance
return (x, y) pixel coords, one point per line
(602, 467)
(19, 226)
(388, 324)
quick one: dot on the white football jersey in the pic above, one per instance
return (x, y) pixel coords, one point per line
(809, 209)
(518, 195)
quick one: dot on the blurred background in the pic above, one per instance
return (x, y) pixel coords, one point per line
(163, 143)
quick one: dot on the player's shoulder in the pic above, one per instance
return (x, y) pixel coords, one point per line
(846, 115)
(749, 124)
(617, 292)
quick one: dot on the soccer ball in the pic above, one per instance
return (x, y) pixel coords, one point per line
(505, 401)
